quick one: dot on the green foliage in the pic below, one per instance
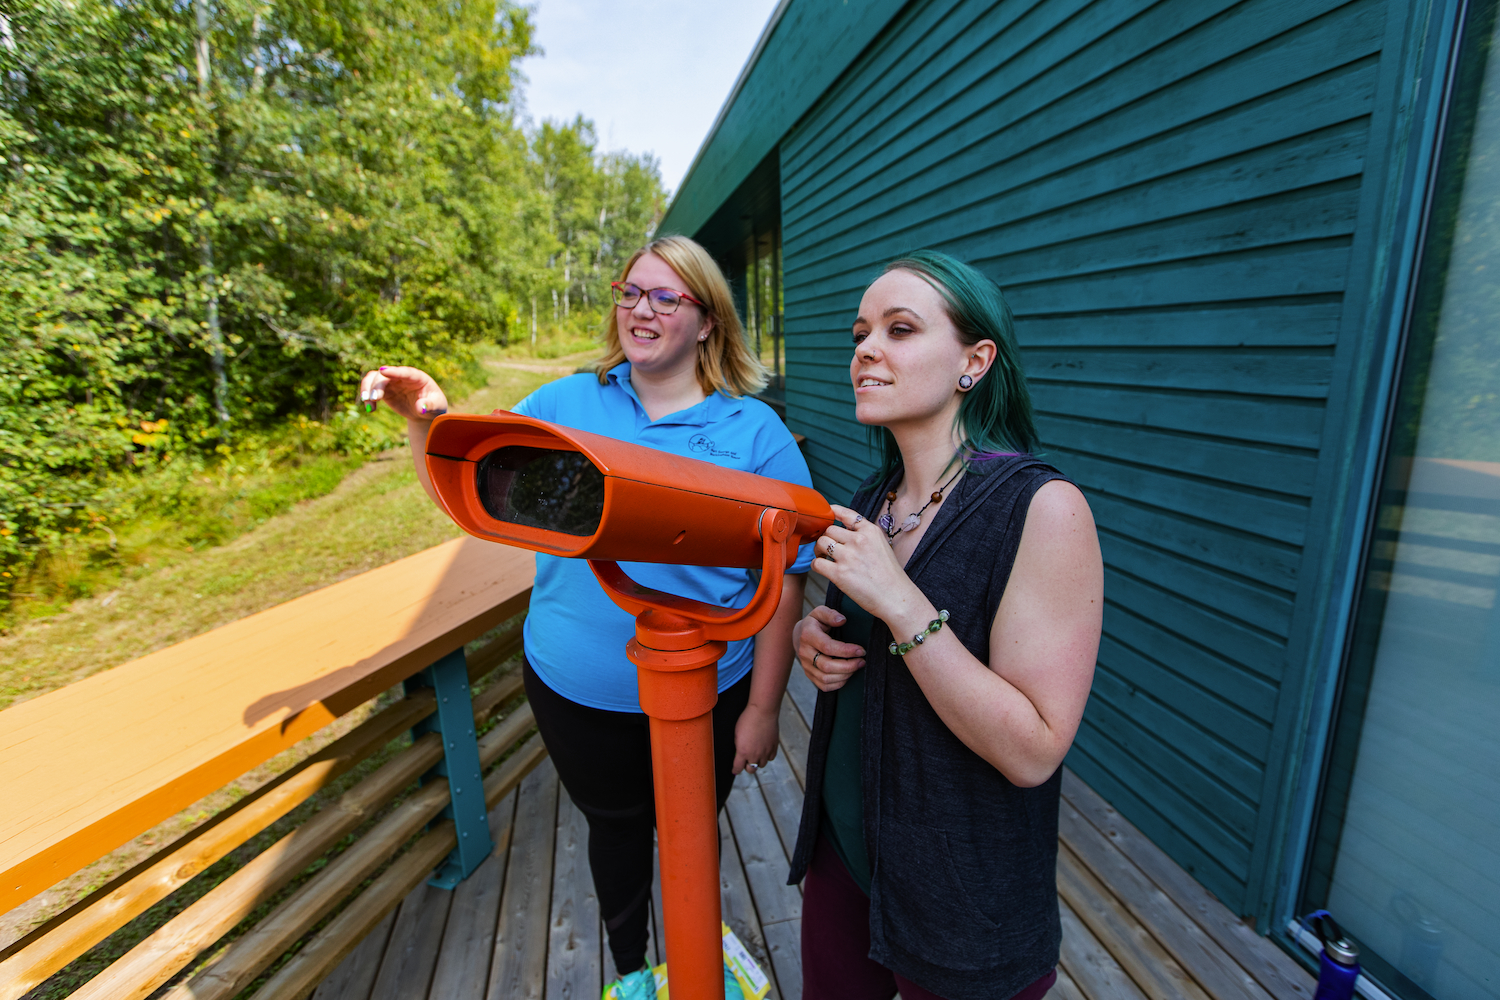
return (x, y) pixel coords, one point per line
(338, 184)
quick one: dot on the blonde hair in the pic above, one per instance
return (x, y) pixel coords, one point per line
(725, 363)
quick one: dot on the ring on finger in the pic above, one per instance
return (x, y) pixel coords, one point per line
(831, 545)
(857, 518)
(815, 659)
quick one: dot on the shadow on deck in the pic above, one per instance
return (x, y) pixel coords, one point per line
(526, 924)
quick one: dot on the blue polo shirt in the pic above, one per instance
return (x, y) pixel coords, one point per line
(575, 635)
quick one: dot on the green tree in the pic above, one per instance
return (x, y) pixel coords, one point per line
(275, 195)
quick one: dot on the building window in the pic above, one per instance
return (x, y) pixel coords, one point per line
(1406, 849)
(763, 310)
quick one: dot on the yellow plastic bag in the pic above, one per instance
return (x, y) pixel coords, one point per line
(753, 981)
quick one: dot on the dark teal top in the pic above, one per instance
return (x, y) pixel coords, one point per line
(843, 784)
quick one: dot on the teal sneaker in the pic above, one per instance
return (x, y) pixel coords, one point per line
(732, 989)
(639, 985)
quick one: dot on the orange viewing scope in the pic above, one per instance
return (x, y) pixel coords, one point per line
(565, 492)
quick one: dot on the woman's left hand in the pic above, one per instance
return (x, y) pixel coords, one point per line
(755, 738)
(859, 560)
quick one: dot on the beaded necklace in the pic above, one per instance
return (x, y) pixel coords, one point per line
(887, 521)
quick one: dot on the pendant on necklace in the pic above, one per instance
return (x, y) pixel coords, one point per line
(911, 522)
(885, 523)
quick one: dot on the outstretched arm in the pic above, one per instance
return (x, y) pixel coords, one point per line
(413, 394)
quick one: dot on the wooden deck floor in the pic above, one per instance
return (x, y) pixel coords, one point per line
(526, 925)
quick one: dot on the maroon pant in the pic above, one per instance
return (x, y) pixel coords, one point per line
(836, 962)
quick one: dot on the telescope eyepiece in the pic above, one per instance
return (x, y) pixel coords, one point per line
(547, 488)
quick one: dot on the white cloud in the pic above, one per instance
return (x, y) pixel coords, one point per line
(651, 75)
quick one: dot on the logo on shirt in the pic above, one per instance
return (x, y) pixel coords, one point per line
(703, 444)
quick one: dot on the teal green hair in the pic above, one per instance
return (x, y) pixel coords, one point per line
(994, 418)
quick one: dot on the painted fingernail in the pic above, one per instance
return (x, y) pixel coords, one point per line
(383, 367)
(369, 407)
(423, 409)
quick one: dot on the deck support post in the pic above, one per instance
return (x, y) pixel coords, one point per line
(454, 720)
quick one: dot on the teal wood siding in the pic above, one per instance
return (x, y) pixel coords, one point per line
(1167, 192)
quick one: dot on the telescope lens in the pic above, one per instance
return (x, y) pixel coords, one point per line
(542, 488)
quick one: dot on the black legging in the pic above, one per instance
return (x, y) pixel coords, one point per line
(604, 761)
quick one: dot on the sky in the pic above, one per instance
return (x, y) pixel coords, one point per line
(651, 74)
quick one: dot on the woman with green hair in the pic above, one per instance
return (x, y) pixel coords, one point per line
(953, 657)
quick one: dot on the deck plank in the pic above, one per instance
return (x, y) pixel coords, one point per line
(803, 694)
(1282, 977)
(406, 968)
(784, 942)
(1089, 964)
(1126, 935)
(355, 975)
(761, 853)
(1140, 954)
(1065, 988)
(573, 963)
(784, 798)
(1189, 944)
(519, 969)
(795, 738)
(737, 905)
(463, 965)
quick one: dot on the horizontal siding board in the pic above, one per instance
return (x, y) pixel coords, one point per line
(1297, 189)
(1303, 322)
(861, 106)
(1277, 470)
(1282, 520)
(1203, 74)
(1234, 598)
(1212, 672)
(1139, 797)
(1246, 555)
(1306, 136)
(1290, 423)
(1040, 249)
(1275, 272)
(1227, 724)
(1156, 735)
(1178, 628)
(1263, 372)
(998, 54)
(1210, 836)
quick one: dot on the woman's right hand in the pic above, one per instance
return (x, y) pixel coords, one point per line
(827, 662)
(409, 392)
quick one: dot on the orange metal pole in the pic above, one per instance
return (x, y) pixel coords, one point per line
(678, 674)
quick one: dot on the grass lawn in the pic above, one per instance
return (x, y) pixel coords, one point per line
(378, 514)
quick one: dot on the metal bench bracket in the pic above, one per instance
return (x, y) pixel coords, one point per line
(454, 720)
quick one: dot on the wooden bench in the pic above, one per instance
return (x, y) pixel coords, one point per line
(93, 765)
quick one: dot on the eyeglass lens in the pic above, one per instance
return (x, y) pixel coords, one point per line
(663, 301)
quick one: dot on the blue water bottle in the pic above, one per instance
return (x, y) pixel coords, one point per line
(1338, 965)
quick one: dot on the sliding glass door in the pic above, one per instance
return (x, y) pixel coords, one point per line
(1406, 852)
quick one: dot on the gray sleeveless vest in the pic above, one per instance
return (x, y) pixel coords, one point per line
(963, 896)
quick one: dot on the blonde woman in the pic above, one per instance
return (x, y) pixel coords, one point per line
(677, 375)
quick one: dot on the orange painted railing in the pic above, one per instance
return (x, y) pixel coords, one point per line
(95, 764)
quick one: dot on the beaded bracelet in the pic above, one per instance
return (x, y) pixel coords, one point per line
(901, 649)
